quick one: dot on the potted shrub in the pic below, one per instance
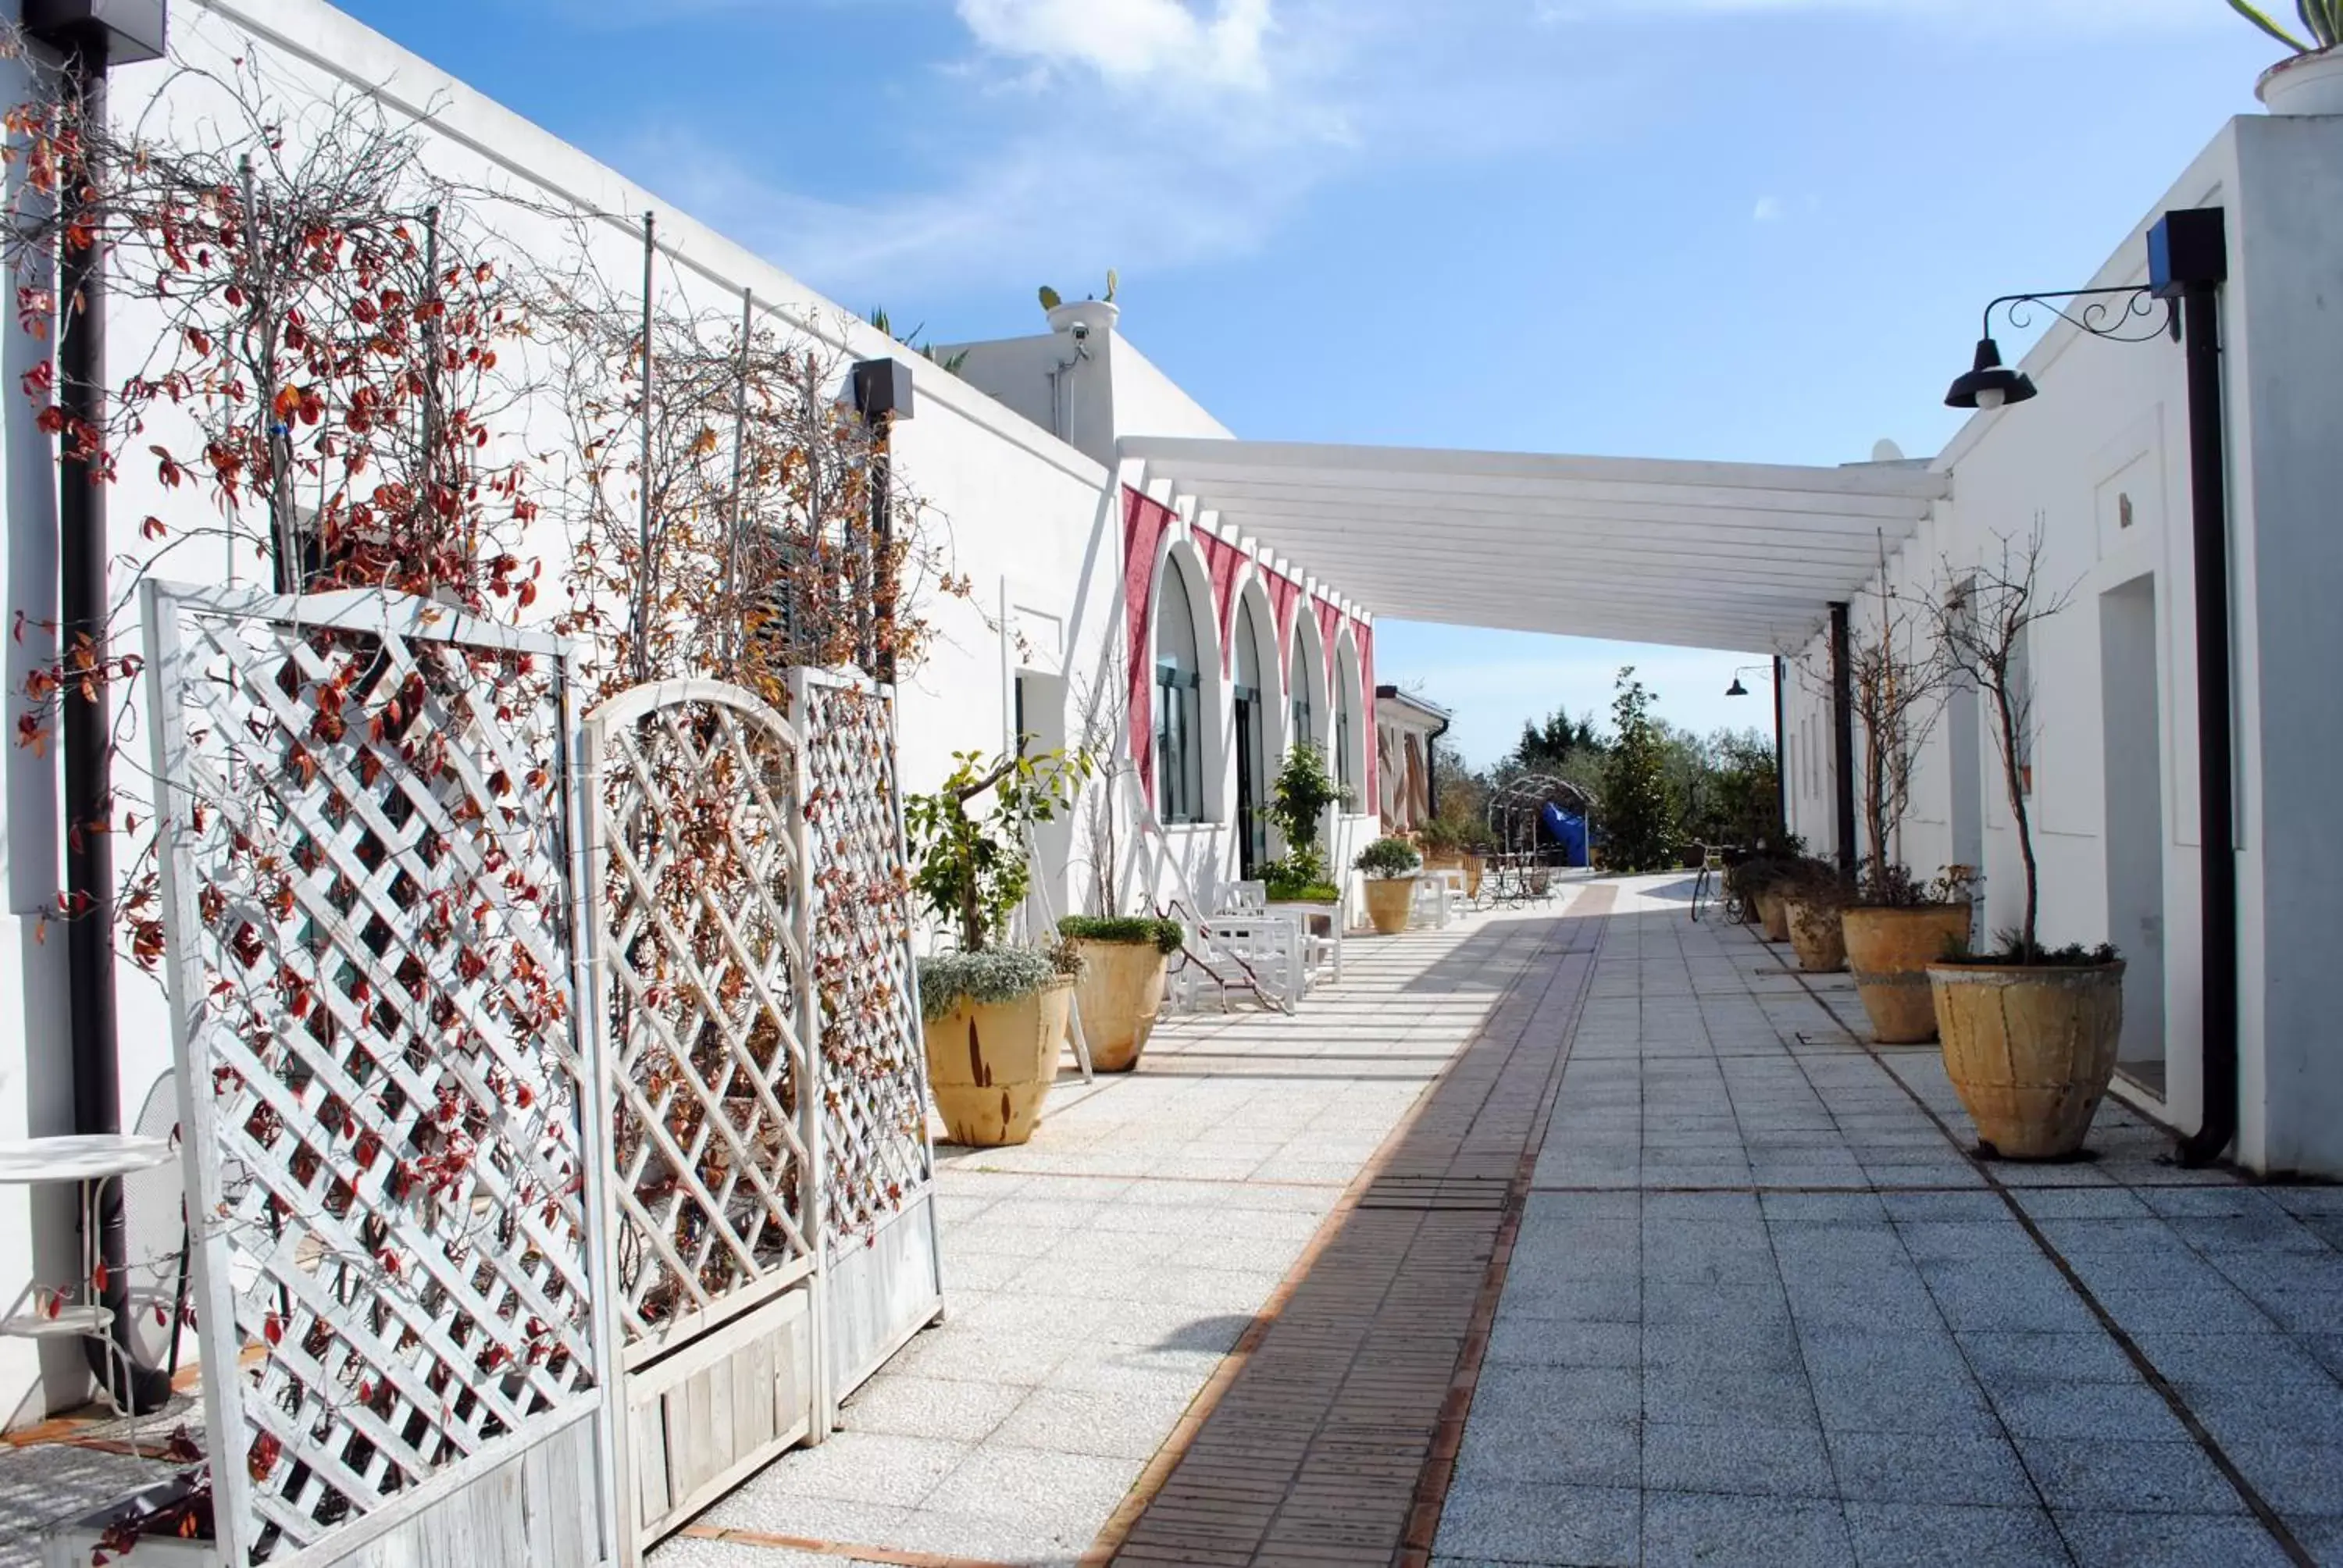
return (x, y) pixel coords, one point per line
(1120, 988)
(1300, 798)
(1894, 928)
(1390, 866)
(1812, 898)
(995, 1015)
(2029, 1035)
(2310, 81)
(1752, 878)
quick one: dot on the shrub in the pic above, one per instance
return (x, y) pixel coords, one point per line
(993, 975)
(1388, 858)
(1298, 890)
(1129, 930)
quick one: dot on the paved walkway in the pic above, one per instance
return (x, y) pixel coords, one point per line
(1101, 1276)
(1765, 1307)
(1584, 1237)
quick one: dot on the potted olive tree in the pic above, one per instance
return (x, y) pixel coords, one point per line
(2310, 80)
(2030, 1034)
(1894, 926)
(1120, 988)
(1390, 866)
(994, 1015)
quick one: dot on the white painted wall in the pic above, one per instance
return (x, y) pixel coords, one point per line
(2111, 425)
(1033, 522)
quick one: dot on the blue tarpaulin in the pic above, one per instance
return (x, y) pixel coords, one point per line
(1569, 831)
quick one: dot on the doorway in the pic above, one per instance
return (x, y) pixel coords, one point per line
(1252, 823)
(2131, 703)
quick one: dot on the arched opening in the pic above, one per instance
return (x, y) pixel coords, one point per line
(1178, 702)
(1254, 699)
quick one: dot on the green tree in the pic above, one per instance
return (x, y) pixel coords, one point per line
(1639, 812)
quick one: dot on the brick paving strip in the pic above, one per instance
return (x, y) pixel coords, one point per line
(1329, 1434)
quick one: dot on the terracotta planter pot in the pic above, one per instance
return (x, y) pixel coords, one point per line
(1389, 901)
(990, 1064)
(1890, 951)
(2030, 1047)
(1816, 934)
(1774, 915)
(1119, 992)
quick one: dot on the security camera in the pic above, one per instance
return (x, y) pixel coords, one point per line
(1081, 331)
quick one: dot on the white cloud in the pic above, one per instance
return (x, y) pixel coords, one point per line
(1130, 42)
(1770, 209)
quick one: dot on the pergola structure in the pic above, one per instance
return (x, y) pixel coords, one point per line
(1750, 557)
(1739, 556)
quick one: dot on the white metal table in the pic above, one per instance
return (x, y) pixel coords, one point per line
(89, 1159)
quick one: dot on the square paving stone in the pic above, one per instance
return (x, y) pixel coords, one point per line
(1552, 1447)
(2012, 1358)
(2099, 1475)
(2103, 1412)
(1684, 1528)
(1933, 1535)
(1968, 1468)
(931, 1407)
(2170, 1541)
(1727, 1396)
(1515, 1522)
(2213, 1309)
(1769, 1461)
(1615, 1299)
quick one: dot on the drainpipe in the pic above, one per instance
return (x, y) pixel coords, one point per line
(1843, 733)
(1781, 763)
(2190, 254)
(1432, 768)
(88, 43)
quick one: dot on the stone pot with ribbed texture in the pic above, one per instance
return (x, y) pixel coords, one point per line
(1118, 994)
(990, 1064)
(2030, 1047)
(1774, 916)
(1889, 952)
(1390, 901)
(1816, 934)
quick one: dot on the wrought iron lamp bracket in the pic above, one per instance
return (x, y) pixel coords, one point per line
(2102, 317)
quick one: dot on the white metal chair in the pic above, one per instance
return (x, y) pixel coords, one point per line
(1430, 905)
(1267, 949)
(1252, 897)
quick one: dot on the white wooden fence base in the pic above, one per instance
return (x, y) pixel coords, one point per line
(879, 1295)
(706, 1418)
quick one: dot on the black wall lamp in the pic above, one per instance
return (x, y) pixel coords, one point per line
(1736, 688)
(2187, 262)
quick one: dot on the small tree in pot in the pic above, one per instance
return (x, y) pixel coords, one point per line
(1300, 797)
(994, 1015)
(2030, 1034)
(1120, 984)
(1390, 866)
(1893, 927)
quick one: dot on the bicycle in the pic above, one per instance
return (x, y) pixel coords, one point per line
(1708, 888)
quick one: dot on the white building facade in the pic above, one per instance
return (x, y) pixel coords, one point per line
(2099, 464)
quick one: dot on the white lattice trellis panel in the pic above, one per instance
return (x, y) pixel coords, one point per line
(701, 951)
(879, 1166)
(369, 871)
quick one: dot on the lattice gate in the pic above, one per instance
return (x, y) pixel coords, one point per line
(367, 856)
(883, 1279)
(695, 836)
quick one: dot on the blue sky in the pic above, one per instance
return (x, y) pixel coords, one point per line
(1740, 229)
